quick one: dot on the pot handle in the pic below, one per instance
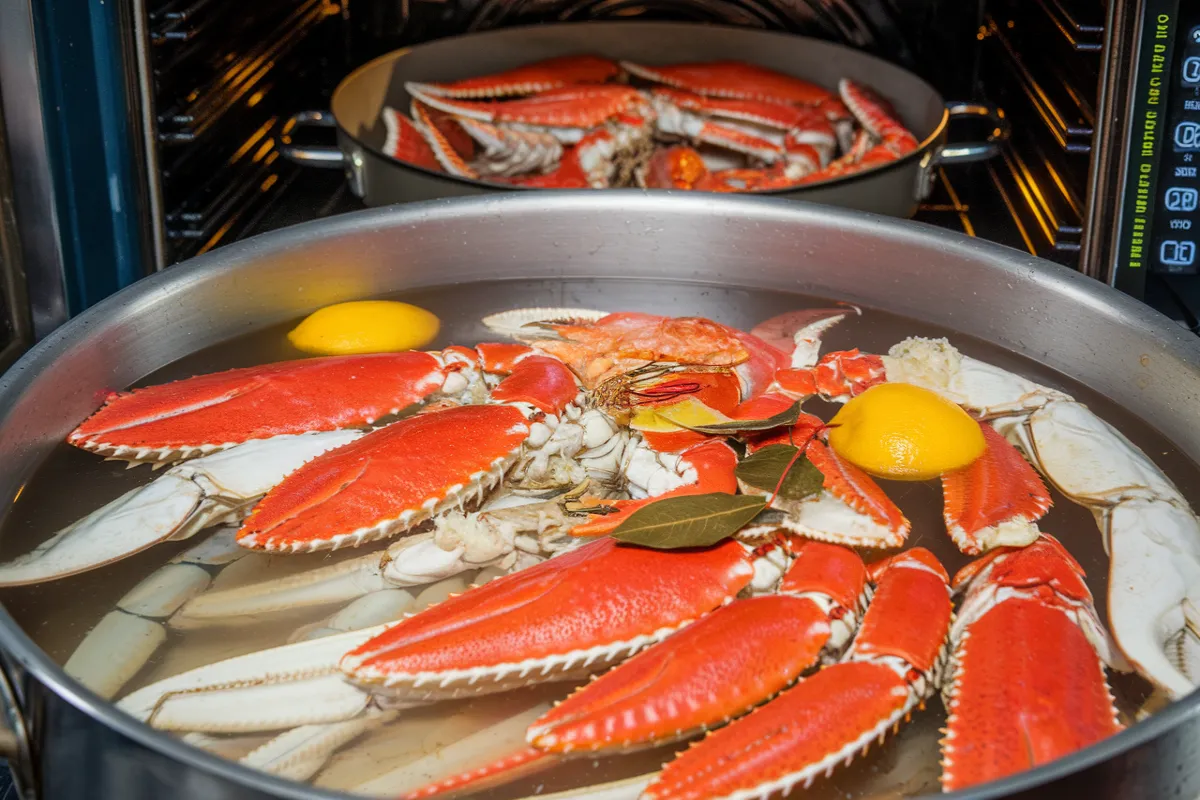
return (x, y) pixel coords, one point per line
(310, 155)
(974, 151)
(14, 737)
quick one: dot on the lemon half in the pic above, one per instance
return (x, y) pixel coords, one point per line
(904, 432)
(365, 326)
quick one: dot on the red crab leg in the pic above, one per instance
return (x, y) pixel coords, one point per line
(774, 115)
(829, 718)
(713, 670)
(875, 114)
(450, 159)
(996, 500)
(1027, 685)
(733, 79)
(540, 76)
(561, 619)
(212, 412)
(406, 142)
(837, 377)
(585, 165)
(396, 477)
(714, 463)
(573, 107)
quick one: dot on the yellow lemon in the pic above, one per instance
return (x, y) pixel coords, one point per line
(904, 432)
(364, 326)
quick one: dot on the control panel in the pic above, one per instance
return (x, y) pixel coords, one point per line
(1160, 221)
(1175, 236)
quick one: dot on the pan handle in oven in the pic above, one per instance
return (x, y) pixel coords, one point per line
(974, 151)
(310, 155)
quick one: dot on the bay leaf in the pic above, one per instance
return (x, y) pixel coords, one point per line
(696, 520)
(783, 470)
(785, 418)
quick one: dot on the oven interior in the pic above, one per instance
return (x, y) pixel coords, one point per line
(191, 98)
(224, 82)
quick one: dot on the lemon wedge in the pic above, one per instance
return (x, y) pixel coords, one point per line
(365, 326)
(687, 412)
(904, 432)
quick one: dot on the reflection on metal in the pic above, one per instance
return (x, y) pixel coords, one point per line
(32, 187)
(149, 131)
(1070, 127)
(1082, 36)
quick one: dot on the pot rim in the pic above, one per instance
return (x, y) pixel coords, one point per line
(15, 643)
(923, 148)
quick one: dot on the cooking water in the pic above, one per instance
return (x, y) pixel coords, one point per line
(72, 483)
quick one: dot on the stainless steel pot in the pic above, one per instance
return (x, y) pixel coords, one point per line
(895, 189)
(68, 744)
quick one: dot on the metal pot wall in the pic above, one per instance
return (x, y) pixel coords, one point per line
(895, 189)
(68, 744)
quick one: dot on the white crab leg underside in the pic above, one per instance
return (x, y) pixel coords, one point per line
(300, 753)
(182, 501)
(282, 687)
(448, 684)
(336, 583)
(1154, 590)
(1089, 460)
(829, 519)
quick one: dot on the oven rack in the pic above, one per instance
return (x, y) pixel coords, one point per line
(1040, 61)
(225, 77)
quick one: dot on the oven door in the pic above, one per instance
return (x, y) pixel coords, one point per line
(15, 329)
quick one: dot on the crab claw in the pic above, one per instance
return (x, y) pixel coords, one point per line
(568, 113)
(850, 509)
(798, 333)
(185, 499)
(529, 324)
(836, 377)
(540, 76)
(1027, 686)
(354, 495)
(207, 413)
(829, 718)
(995, 501)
